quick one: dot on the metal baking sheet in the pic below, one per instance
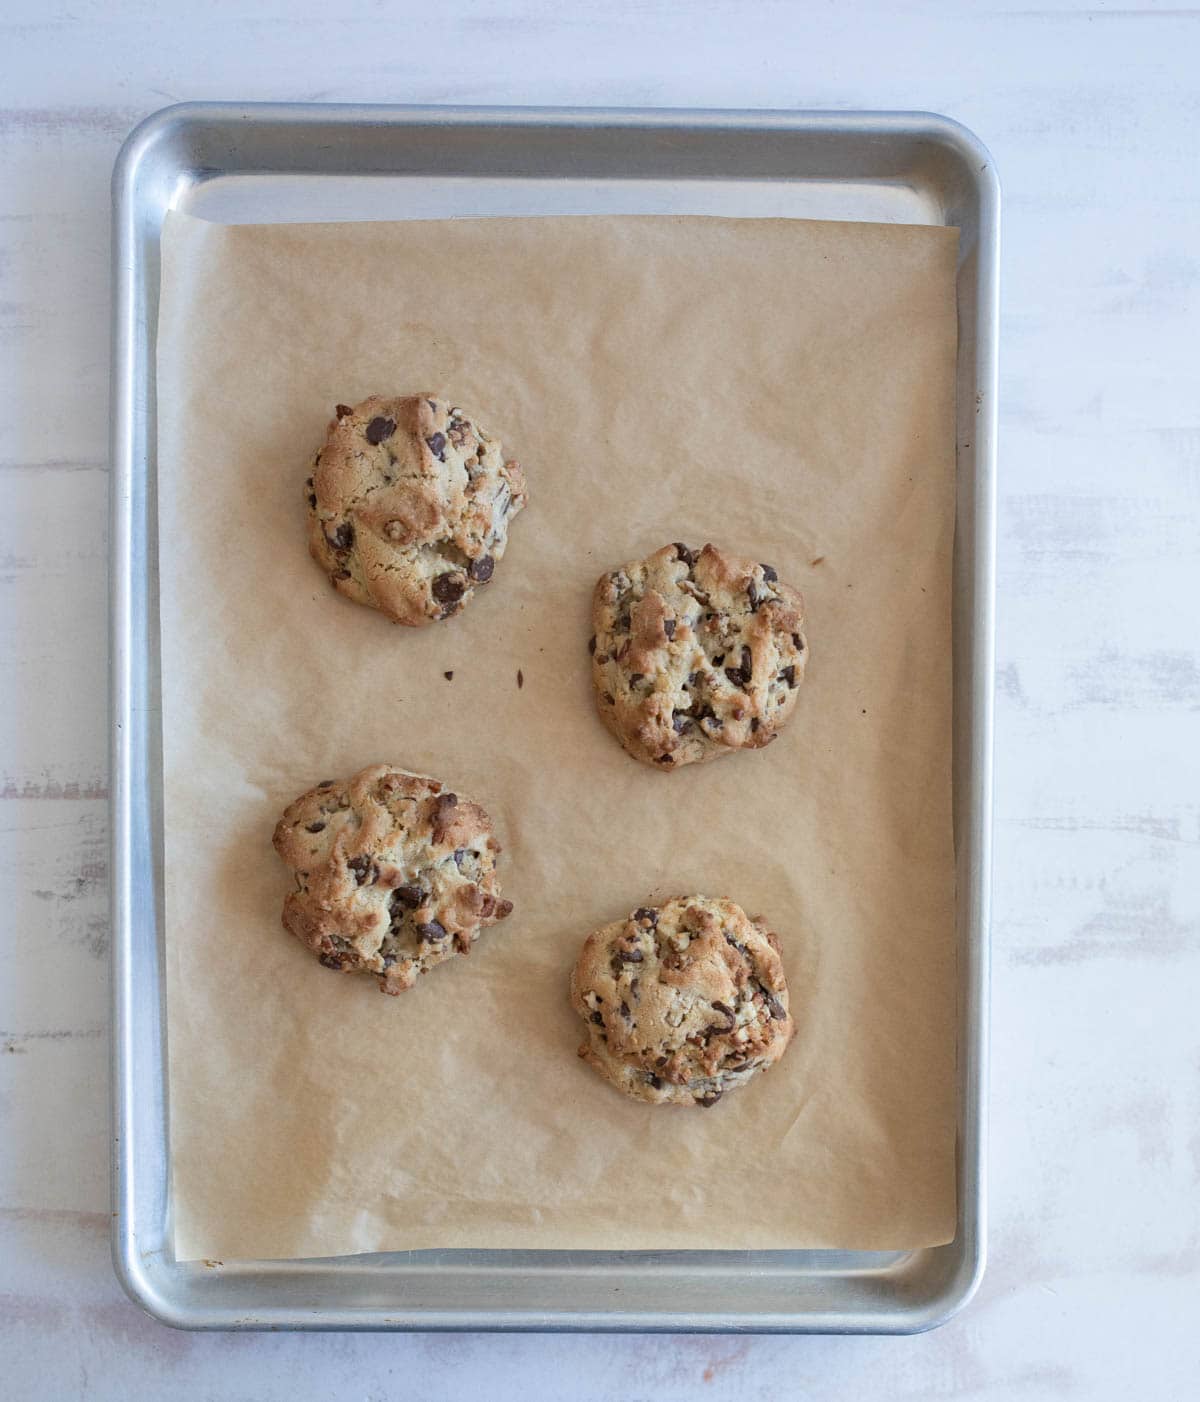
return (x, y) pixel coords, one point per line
(264, 163)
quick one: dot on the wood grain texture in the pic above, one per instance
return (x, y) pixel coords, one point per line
(1091, 113)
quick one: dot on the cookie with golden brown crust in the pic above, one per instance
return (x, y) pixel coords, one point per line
(695, 654)
(393, 874)
(682, 1002)
(409, 505)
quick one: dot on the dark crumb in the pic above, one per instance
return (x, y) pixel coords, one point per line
(820, 560)
(449, 676)
(864, 710)
(520, 679)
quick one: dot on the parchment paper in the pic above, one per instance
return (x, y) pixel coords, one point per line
(784, 388)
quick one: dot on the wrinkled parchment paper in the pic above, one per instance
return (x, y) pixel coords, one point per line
(781, 387)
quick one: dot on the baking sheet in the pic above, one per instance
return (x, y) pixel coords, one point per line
(783, 387)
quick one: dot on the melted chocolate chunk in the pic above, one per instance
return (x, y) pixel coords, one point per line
(405, 898)
(342, 538)
(481, 570)
(684, 554)
(449, 588)
(361, 867)
(380, 429)
(437, 446)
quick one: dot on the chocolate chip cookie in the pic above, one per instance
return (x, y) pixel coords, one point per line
(695, 654)
(393, 874)
(682, 1002)
(408, 506)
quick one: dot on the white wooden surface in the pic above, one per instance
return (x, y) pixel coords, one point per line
(1091, 114)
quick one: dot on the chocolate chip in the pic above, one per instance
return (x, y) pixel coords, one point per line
(736, 676)
(432, 931)
(753, 724)
(592, 645)
(361, 867)
(754, 596)
(681, 721)
(669, 628)
(449, 676)
(741, 948)
(684, 554)
(623, 622)
(776, 1008)
(342, 538)
(609, 698)
(442, 806)
(665, 759)
(730, 1019)
(707, 1100)
(432, 404)
(315, 827)
(340, 574)
(693, 678)
(644, 912)
(661, 1060)
(437, 446)
(653, 1080)
(325, 784)
(405, 898)
(520, 679)
(635, 677)
(598, 1019)
(379, 429)
(449, 588)
(331, 961)
(312, 501)
(718, 659)
(503, 909)
(630, 956)
(481, 570)
(460, 857)
(789, 675)
(797, 642)
(747, 662)
(388, 960)
(770, 574)
(625, 1013)
(341, 410)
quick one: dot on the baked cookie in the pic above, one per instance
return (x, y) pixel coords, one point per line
(393, 874)
(695, 654)
(408, 506)
(682, 1002)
